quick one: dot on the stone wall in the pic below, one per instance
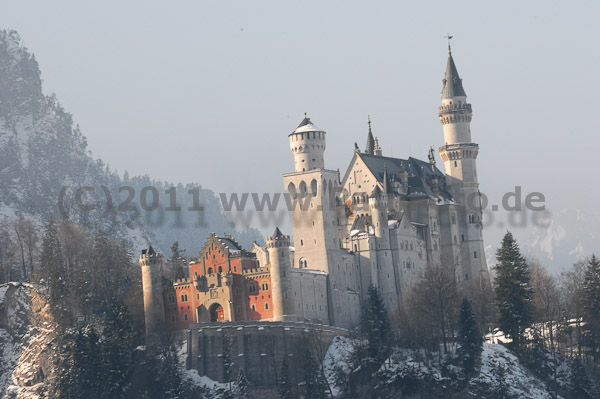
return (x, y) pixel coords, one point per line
(257, 347)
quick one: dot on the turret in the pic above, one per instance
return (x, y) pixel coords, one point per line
(307, 143)
(278, 246)
(459, 154)
(154, 308)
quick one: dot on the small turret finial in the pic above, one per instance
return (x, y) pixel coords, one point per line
(305, 114)
(449, 37)
(369, 121)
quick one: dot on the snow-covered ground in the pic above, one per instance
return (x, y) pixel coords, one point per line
(499, 370)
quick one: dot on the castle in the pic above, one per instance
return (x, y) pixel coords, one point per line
(379, 224)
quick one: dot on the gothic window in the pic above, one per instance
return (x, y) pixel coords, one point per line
(455, 164)
(266, 305)
(210, 270)
(171, 298)
(184, 297)
(313, 187)
(301, 243)
(471, 218)
(462, 237)
(292, 190)
(453, 219)
(265, 286)
(303, 189)
(475, 254)
(253, 307)
(220, 269)
(185, 316)
(252, 288)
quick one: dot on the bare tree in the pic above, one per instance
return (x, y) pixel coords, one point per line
(571, 283)
(481, 294)
(436, 297)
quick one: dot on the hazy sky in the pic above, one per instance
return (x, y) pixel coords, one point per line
(207, 91)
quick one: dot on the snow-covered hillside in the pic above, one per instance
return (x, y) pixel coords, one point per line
(500, 374)
(45, 164)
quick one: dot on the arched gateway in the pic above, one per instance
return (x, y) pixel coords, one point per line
(216, 313)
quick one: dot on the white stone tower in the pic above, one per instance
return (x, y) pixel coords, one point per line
(311, 188)
(154, 307)
(284, 307)
(312, 193)
(385, 279)
(459, 154)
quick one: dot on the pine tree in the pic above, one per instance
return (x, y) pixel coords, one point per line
(117, 347)
(316, 386)
(579, 385)
(590, 298)
(242, 388)
(513, 291)
(284, 385)
(469, 337)
(375, 326)
(177, 261)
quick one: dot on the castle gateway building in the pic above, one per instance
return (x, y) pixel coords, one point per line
(379, 224)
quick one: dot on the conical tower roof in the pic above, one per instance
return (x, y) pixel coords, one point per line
(452, 82)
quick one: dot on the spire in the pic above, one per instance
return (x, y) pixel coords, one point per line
(452, 82)
(370, 147)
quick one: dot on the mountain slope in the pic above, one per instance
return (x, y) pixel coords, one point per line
(45, 165)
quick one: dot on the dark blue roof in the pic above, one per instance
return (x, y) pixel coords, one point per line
(420, 173)
(452, 82)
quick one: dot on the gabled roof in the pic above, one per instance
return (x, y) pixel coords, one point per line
(452, 82)
(420, 173)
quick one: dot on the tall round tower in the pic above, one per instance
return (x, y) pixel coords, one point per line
(154, 308)
(459, 154)
(307, 143)
(278, 246)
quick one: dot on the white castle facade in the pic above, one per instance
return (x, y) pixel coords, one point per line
(385, 219)
(379, 224)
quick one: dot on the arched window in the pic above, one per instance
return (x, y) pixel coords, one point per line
(475, 254)
(266, 305)
(453, 219)
(253, 307)
(185, 316)
(210, 270)
(313, 187)
(302, 189)
(220, 269)
(292, 190)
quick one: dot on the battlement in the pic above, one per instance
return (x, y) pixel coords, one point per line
(150, 257)
(256, 271)
(278, 242)
(454, 108)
